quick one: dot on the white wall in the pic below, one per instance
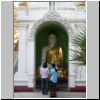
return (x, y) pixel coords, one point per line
(27, 17)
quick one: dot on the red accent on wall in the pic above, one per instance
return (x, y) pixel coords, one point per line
(26, 89)
(22, 89)
(78, 89)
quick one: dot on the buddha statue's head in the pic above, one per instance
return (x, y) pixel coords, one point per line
(52, 39)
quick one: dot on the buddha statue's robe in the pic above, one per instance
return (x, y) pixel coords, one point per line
(55, 55)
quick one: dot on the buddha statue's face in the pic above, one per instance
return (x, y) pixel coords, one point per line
(52, 39)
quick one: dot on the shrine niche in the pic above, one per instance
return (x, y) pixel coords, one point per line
(47, 31)
(51, 23)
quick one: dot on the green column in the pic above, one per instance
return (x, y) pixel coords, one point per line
(51, 5)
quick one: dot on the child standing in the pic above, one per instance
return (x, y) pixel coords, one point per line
(53, 81)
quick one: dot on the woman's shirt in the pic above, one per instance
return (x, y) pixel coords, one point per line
(53, 75)
(44, 72)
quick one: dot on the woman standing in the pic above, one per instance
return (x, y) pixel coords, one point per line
(53, 81)
(44, 75)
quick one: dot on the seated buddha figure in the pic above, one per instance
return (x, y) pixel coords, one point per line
(52, 53)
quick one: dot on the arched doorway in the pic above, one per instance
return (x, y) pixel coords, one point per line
(41, 39)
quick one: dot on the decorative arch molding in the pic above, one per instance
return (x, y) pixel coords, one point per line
(51, 15)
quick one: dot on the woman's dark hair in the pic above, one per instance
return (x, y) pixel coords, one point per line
(53, 65)
(45, 65)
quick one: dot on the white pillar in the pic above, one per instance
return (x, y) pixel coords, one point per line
(81, 75)
(20, 78)
(30, 64)
(30, 58)
(71, 76)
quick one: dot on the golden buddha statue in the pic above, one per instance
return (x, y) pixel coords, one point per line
(53, 53)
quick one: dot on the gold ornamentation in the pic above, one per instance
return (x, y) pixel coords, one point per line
(25, 4)
(80, 4)
(16, 33)
(55, 55)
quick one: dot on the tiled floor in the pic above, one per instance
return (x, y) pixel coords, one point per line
(59, 95)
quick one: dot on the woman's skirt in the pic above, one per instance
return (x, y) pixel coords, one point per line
(53, 92)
